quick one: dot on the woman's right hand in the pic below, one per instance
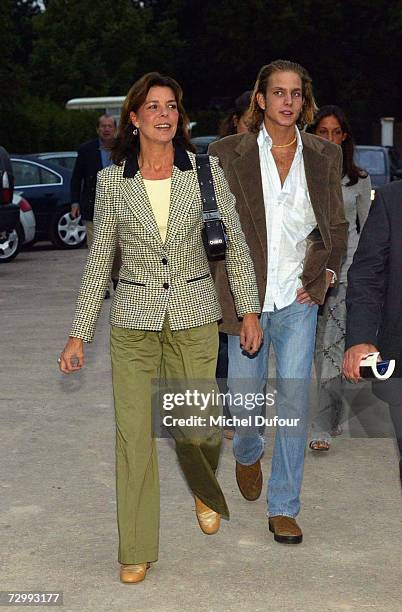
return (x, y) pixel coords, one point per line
(72, 357)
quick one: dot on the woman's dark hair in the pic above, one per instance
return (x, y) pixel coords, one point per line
(126, 142)
(256, 113)
(350, 169)
(229, 123)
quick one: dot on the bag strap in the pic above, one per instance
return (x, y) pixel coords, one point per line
(209, 206)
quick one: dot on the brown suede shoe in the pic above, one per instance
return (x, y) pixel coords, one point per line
(208, 519)
(285, 529)
(249, 480)
(131, 574)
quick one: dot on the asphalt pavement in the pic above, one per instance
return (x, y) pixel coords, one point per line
(57, 494)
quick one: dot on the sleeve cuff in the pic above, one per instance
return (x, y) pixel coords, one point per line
(334, 276)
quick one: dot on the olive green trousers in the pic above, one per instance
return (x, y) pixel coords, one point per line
(138, 357)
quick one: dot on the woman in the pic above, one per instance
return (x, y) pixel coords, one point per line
(165, 310)
(331, 123)
(235, 122)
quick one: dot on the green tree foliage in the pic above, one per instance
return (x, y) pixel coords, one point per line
(22, 15)
(353, 49)
(84, 48)
(14, 78)
(47, 126)
(76, 48)
(214, 48)
(348, 47)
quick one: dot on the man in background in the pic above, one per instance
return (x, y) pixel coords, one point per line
(92, 157)
(373, 300)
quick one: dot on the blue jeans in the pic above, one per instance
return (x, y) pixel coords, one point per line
(291, 330)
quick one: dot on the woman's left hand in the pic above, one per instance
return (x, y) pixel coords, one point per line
(251, 333)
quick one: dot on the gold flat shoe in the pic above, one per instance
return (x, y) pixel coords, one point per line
(130, 574)
(319, 445)
(208, 519)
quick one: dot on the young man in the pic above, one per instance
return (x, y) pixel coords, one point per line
(288, 192)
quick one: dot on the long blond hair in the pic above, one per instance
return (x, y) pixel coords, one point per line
(256, 114)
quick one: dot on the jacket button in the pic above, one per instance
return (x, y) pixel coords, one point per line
(164, 261)
(166, 285)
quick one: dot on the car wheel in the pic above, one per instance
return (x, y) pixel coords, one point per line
(10, 244)
(67, 232)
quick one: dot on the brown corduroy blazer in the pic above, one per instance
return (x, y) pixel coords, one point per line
(239, 158)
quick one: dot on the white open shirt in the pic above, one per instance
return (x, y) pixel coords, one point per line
(289, 218)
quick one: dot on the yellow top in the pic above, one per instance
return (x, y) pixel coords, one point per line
(159, 196)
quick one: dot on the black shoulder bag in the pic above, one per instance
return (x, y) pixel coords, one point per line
(213, 232)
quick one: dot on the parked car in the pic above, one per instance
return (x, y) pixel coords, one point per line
(46, 186)
(202, 143)
(65, 159)
(375, 161)
(23, 233)
(9, 220)
(379, 162)
(27, 218)
(9, 212)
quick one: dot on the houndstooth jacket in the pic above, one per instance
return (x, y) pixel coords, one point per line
(158, 279)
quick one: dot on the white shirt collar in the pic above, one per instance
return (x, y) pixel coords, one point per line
(264, 138)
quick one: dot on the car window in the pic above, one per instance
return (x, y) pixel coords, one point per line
(25, 173)
(60, 161)
(65, 162)
(48, 178)
(371, 161)
(69, 162)
(202, 143)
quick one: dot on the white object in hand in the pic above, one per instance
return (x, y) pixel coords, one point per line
(371, 361)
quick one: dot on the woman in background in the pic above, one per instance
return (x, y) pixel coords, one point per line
(331, 123)
(234, 122)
